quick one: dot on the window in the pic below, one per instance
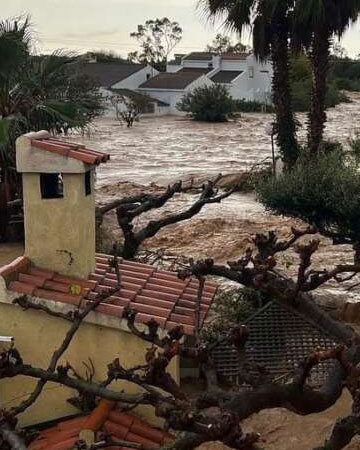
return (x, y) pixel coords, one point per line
(148, 76)
(88, 183)
(51, 185)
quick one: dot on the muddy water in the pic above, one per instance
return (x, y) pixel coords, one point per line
(166, 148)
(160, 150)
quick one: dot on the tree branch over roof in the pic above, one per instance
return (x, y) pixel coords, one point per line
(190, 414)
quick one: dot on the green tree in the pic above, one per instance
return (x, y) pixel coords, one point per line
(269, 21)
(323, 191)
(157, 39)
(208, 103)
(316, 22)
(224, 44)
(37, 92)
(105, 56)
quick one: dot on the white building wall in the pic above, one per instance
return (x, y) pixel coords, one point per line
(239, 87)
(260, 82)
(196, 64)
(173, 96)
(110, 109)
(134, 80)
(172, 68)
(234, 65)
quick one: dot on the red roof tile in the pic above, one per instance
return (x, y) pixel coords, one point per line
(153, 293)
(119, 425)
(15, 266)
(70, 150)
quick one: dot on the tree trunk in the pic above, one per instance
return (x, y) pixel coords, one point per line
(4, 216)
(285, 125)
(319, 56)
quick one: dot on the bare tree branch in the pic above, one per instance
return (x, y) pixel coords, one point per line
(77, 319)
(10, 436)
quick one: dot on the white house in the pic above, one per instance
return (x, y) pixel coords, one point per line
(245, 77)
(171, 87)
(117, 80)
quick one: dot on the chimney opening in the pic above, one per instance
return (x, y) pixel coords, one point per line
(88, 183)
(51, 185)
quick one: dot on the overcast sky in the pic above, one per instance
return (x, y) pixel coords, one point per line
(82, 25)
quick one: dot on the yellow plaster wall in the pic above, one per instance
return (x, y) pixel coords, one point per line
(58, 228)
(37, 335)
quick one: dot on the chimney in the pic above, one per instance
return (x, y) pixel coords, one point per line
(59, 202)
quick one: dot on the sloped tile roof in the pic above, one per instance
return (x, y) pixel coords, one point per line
(226, 76)
(171, 80)
(199, 56)
(235, 56)
(70, 150)
(154, 294)
(108, 74)
(201, 70)
(105, 419)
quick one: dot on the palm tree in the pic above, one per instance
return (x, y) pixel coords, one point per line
(14, 42)
(270, 24)
(36, 92)
(316, 22)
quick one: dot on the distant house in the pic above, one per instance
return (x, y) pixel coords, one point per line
(171, 87)
(117, 80)
(245, 77)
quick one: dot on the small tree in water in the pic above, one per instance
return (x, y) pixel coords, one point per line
(208, 103)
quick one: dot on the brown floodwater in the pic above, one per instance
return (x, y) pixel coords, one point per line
(157, 151)
(162, 149)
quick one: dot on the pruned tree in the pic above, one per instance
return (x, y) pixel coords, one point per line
(128, 209)
(157, 39)
(190, 416)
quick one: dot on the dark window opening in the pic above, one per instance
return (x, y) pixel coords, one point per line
(148, 76)
(88, 183)
(148, 108)
(51, 185)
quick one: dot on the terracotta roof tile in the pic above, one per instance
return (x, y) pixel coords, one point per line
(16, 266)
(119, 425)
(70, 150)
(22, 288)
(153, 293)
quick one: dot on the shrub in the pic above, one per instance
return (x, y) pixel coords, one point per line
(251, 106)
(346, 74)
(323, 191)
(301, 82)
(208, 103)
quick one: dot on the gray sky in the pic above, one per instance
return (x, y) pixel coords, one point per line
(82, 25)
